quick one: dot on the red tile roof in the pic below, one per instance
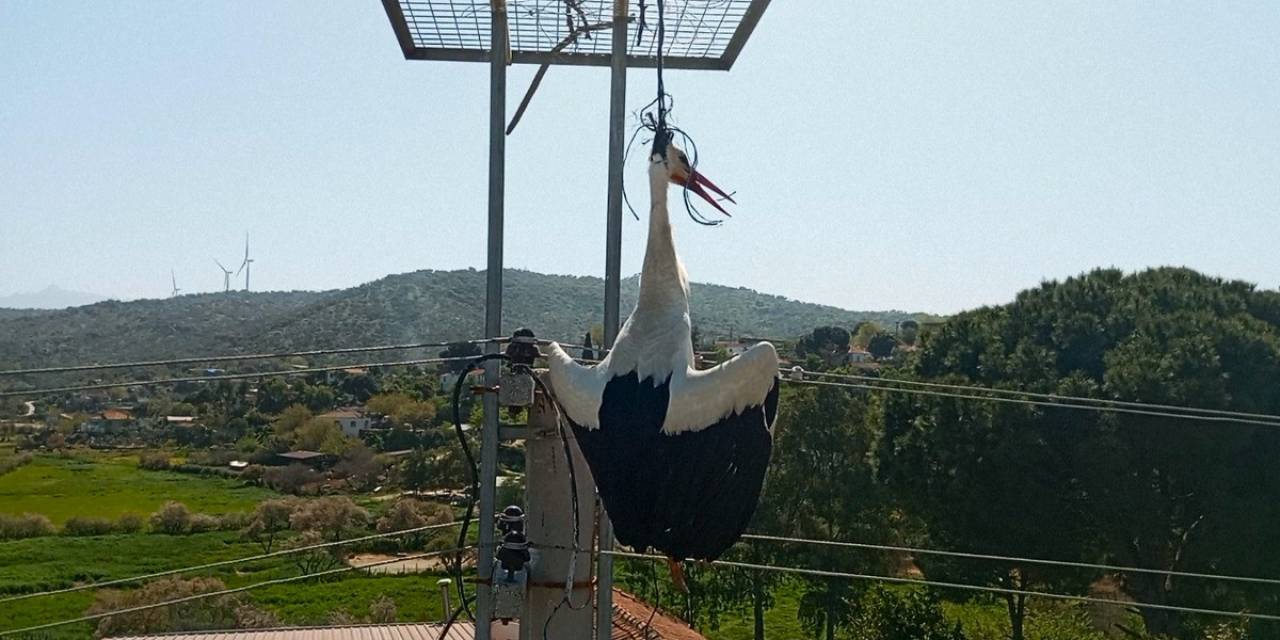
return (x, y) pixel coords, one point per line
(631, 621)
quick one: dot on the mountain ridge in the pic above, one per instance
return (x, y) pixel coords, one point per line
(50, 297)
(418, 306)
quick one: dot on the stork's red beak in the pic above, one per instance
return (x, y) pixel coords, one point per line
(696, 183)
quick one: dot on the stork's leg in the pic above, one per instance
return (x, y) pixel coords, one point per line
(677, 574)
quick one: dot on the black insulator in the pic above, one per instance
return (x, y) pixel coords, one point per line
(523, 348)
(513, 555)
(511, 520)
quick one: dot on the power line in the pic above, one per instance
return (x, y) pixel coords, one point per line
(966, 587)
(224, 592)
(224, 563)
(1048, 396)
(1013, 559)
(240, 357)
(1037, 403)
(244, 357)
(231, 376)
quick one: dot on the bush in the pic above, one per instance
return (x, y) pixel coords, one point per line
(211, 458)
(13, 463)
(130, 523)
(153, 461)
(203, 523)
(886, 614)
(333, 517)
(408, 513)
(233, 521)
(87, 526)
(27, 525)
(295, 478)
(173, 518)
(382, 610)
(220, 612)
(269, 521)
(252, 474)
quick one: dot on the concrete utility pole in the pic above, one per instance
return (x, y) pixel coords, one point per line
(549, 529)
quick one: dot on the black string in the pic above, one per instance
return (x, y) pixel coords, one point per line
(653, 117)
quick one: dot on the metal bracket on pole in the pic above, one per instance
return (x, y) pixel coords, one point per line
(493, 313)
(612, 279)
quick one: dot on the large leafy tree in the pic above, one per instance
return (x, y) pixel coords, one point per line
(821, 486)
(1134, 489)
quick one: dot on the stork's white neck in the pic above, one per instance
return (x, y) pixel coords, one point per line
(662, 278)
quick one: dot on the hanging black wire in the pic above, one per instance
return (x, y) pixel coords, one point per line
(654, 118)
(474, 493)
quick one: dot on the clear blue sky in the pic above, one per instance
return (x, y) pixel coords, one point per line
(920, 155)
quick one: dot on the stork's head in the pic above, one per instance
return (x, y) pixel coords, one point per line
(671, 164)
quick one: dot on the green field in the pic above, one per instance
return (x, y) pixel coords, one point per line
(40, 564)
(110, 485)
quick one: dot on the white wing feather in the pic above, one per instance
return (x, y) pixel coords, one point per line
(700, 399)
(578, 388)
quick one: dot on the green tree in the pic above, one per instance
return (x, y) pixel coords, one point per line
(269, 520)
(827, 343)
(1134, 489)
(889, 614)
(290, 420)
(881, 345)
(821, 485)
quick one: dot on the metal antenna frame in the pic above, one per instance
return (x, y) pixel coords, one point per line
(700, 34)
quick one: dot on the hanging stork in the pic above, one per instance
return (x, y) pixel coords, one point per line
(678, 455)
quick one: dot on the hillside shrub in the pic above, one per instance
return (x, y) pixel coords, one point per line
(295, 479)
(203, 523)
(252, 474)
(130, 523)
(10, 464)
(173, 518)
(87, 526)
(154, 461)
(218, 612)
(27, 525)
(233, 521)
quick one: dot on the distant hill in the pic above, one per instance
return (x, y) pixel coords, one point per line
(51, 297)
(418, 306)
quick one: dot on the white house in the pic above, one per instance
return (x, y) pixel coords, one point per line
(352, 420)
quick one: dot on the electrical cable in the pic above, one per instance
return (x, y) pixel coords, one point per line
(1036, 403)
(966, 587)
(1053, 397)
(237, 357)
(230, 376)
(1013, 559)
(222, 592)
(473, 494)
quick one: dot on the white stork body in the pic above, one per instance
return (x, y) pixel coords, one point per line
(678, 455)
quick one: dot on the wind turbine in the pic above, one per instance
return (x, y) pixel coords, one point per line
(174, 278)
(226, 276)
(247, 265)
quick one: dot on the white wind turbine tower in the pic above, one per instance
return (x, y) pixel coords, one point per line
(226, 276)
(247, 265)
(174, 279)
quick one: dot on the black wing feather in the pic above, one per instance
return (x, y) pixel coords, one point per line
(689, 495)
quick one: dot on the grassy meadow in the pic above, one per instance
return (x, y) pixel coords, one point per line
(108, 485)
